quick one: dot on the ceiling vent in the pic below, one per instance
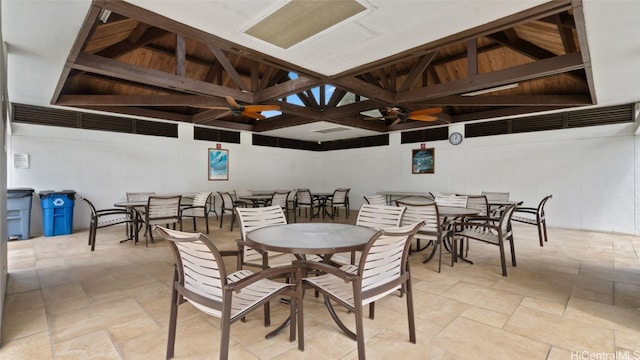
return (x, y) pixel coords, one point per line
(331, 130)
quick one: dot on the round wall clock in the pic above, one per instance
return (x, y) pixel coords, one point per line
(455, 138)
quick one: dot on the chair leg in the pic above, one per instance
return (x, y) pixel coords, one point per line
(410, 313)
(360, 331)
(171, 340)
(194, 224)
(544, 227)
(225, 327)
(503, 261)
(540, 234)
(206, 222)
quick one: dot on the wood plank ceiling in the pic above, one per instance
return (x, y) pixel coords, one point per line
(160, 68)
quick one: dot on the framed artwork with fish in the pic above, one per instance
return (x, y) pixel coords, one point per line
(218, 164)
(423, 161)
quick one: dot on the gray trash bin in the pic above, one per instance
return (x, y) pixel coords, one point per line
(19, 213)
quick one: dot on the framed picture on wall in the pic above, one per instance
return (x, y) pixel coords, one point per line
(218, 164)
(423, 161)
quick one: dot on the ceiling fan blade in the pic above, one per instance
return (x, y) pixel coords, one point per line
(253, 115)
(258, 108)
(423, 117)
(232, 102)
(372, 118)
(428, 111)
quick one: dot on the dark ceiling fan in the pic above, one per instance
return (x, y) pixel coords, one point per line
(251, 111)
(400, 114)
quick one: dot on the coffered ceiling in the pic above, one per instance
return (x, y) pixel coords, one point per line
(356, 68)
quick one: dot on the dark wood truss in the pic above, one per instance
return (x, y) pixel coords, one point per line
(160, 68)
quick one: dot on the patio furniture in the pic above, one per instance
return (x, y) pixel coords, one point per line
(382, 269)
(161, 210)
(200, 277)
(493, 231)
(108, 217)
(534, 216)
(198, 209)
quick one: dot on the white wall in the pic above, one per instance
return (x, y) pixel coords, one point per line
(590, 172)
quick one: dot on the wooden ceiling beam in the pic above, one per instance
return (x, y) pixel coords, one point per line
(502, 100)
(365, 89)
(126, 46)
(226, 64)
(416, 70)
(140, 100)
(539, 69)
(285, 89)
(119, 70)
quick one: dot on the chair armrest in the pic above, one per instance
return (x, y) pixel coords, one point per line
(481, 218)
(528, 210)
(261, 275)
(229, 252)
(113, 211)
(476, 224)
(241, 244)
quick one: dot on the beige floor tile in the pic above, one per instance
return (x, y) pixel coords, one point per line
(577, 293)
(469, 339)
(90, 346)
(557, 330)
(36, 346)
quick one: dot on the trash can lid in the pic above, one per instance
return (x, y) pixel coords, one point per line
(19, 192)
(46, 193)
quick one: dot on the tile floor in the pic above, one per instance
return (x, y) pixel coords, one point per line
(578, 297)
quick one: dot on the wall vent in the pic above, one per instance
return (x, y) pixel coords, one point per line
(39, 115)
(565, 120)
(208, 134)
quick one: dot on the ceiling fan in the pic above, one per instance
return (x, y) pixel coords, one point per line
(399, 114)
(251, 111)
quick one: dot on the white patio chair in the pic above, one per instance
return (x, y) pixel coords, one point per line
(382, 269)
(200, 277)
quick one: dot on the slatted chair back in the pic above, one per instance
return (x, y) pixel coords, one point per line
(163, 210)
(382, 269)
(279, 198)
(304, 197)
(199, 208)
(199, 205)
(451, 200)
(496, 196)
(384, 261)
(478, 202)
(432, 230)
(200, 277)
(292, 203)
(375, 200)
(340, 198)
(256, 218)
(139, 196)
(380, 216)
(228, 206)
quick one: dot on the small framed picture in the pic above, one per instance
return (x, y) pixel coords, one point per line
(218, 164)
(423, 161)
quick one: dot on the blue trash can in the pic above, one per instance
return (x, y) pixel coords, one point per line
(19, 213)
(57, 211)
